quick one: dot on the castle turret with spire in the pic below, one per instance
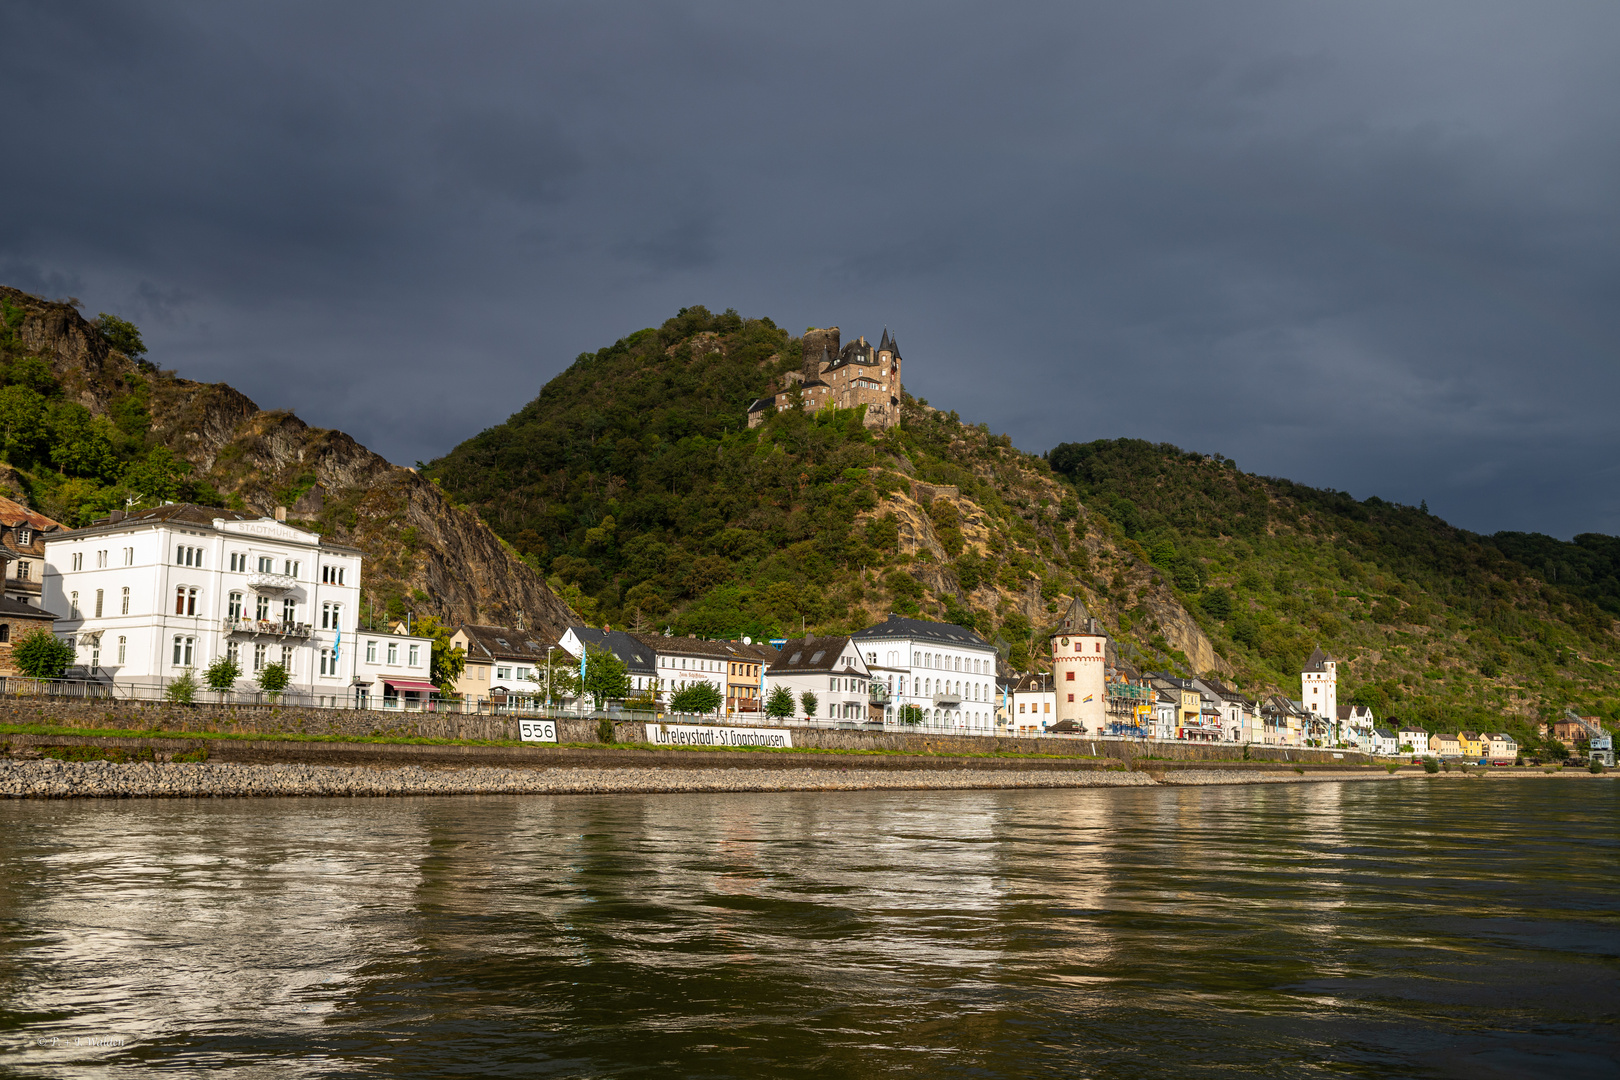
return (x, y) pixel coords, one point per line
(841, 376)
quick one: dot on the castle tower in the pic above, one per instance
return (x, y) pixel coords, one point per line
(1079, 665)
(1319, 686)
(820, 349)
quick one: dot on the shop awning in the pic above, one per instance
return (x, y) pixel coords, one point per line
(416, 685)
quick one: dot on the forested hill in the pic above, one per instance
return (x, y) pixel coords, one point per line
(1434, 621)
(633, 481)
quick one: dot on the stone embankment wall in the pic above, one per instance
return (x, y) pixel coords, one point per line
(270, 720)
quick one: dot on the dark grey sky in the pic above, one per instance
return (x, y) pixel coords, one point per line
(1369, 246)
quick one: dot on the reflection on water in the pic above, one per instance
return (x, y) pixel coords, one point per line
(1407, 929)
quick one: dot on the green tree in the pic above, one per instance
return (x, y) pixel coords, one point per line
(40, 654)
(222, 674)
(81, 444)
(182, 689)
(446, 661)
(22, 419)
(273, 679)
(121, 335)
(699, 697)
(606, 677)
(159, 476)
(910, 714)
(809, 703)
(780, 703)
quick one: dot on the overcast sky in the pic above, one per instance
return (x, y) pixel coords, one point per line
(1373, 247)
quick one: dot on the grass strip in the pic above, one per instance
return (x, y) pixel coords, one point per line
(411, 740)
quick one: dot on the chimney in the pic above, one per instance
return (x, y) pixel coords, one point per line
(281, 513)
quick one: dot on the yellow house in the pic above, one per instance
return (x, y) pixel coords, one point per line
(1473, 748)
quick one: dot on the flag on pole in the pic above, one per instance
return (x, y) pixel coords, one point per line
(337, 646)
(1089, 697)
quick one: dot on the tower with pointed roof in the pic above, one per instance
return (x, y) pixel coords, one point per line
(1319, 686)
(1079, 669)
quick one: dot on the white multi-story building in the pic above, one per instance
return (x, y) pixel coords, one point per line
(831, 668)
(947, 671)
(146, 596)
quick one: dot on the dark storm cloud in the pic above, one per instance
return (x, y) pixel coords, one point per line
(1372, 247)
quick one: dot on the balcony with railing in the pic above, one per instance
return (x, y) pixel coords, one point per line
(266, 582)
(269, 628)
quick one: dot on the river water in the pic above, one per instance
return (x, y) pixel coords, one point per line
(1416, 928)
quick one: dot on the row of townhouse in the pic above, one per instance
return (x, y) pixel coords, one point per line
(1483, 747)
(146, 597)
(940, 674)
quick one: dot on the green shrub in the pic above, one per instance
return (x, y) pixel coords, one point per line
(604, 731)
(182, 689)
(1430, 765)
(40, 654)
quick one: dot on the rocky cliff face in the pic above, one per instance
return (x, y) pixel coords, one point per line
(436, 558)
(1113, 581)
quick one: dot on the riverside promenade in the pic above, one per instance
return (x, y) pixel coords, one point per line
(58, 750)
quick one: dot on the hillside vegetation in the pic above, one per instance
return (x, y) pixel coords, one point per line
(633, 481)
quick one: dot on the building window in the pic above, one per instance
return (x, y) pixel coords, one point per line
(416, 658)
(332, 575)
(23, 570)
(1068, 676)
(393, 652)
(233, 653)
(371, 652)
(25, 536)
(78, 560)
(95, 655)
(101, 560)
(183, 650)
(239, 563)
(261, 609)
(292, 568)
(266, 564)
(123, 650)
(99, 594)
(129, 556)
(73, 605)
(258, 656)
(503, 673)
(327, 668)
(233, 610)
(5, 631)
(125, 610)
(185, 601)
(287, 658)
(1071, 697)
(289, 609)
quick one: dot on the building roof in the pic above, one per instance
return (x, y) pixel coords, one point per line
(14, 513)
(503, 643)
(1036, 682)
(897, 627)
(761, 404)
(1383, 733)
(189, 514)
(810, 654)
(1318, 660)
(635, 655)
(18, 609)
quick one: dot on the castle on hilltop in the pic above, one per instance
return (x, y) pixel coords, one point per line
(844, 377)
